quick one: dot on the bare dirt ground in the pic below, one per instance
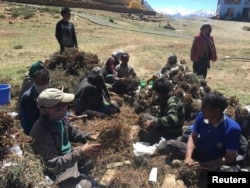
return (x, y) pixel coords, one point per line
(148, 52)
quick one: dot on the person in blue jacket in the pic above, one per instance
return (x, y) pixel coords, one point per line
(29, 111)
(215, 137)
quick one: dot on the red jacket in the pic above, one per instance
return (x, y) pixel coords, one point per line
(196, 49)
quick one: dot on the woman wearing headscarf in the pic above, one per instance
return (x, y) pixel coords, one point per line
(92, 96)
(203, 50)
(109, 70)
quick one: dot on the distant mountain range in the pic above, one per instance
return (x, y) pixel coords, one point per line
(183, 13)
(190, 14)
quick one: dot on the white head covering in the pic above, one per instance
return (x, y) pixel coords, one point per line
(118, 54)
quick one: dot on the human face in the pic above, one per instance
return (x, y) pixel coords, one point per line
(56, 112)
(209, 112)
(160, 97)
(41, 84)
(171, 60)
(205, 30)
(67, 16)
(124, 63)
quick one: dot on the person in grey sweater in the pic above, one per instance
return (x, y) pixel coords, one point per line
(52, 135)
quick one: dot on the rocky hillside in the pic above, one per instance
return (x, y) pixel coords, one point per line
(89, 4)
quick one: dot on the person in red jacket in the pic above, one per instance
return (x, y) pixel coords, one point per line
(203, 50)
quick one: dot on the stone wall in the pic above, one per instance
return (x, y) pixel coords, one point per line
(85, 4)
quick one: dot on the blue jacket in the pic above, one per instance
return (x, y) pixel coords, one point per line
(29, 110)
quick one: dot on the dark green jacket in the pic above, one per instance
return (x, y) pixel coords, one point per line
(171, 116)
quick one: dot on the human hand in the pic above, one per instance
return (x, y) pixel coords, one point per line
(147, 124)
(188, 161)
(195, 165)
(93, 136)
(73, 117)
(60, 87)
(90, 149)
(121, 79)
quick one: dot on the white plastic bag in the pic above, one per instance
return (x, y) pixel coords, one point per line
(144, 148)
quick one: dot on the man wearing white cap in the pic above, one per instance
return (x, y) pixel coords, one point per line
(52, 135)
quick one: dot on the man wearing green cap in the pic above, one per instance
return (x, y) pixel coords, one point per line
(27, 81)
(28, 105)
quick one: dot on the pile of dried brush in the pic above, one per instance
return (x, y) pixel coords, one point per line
(116, 134)
(19, 167)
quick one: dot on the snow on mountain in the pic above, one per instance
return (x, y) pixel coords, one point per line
(185, 13)
(182, 13)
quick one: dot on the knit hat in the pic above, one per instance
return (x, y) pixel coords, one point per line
(37, 65)
(173, 57)
(52, 96)
(97, 70)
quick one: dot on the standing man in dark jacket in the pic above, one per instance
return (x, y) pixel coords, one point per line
(65, 31)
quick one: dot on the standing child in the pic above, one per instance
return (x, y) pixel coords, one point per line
(65, 31)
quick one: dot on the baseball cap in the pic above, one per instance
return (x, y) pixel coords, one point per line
(52, 96)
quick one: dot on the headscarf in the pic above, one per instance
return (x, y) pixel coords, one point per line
(53, 113)
(95, 77)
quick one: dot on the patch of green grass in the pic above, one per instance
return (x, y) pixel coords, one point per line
(28, 15)
(19, 46)
(111, 20)
(50, 10)
(24, 11)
